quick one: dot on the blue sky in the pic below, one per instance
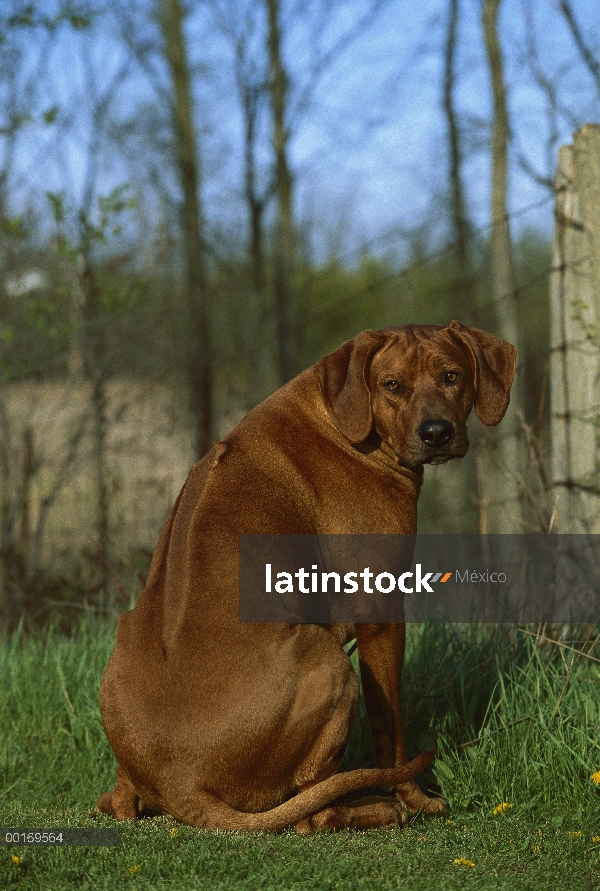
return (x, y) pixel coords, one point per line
(370, 152)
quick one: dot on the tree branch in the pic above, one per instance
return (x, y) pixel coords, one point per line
(584, 50)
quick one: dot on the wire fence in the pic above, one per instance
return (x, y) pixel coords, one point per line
(574, 346)
(49, 501)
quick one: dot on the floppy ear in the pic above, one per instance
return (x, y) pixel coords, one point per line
(493, 363)
(343, 380)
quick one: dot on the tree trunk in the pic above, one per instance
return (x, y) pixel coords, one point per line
(250, 96)
(463, 295)
(284, 285)
(96, 372)
(10, 594)
(199, 363)
(505, 497)
(503, 278)
(254, 203)
(27, 471)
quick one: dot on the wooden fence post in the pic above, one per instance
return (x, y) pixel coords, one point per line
(575, 334)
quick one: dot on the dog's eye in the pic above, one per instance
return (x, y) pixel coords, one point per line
(451, 377)
(392, 384)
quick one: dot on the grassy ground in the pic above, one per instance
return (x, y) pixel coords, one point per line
(535, 705)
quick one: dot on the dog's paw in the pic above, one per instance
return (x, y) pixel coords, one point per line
(365, 813)
(433, 807)
(416, 802)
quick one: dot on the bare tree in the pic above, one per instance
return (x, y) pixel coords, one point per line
(200, 372)
(503, 274)
(560, 112)
(252, 82)
(287, 108)
(585, 52)
(243, 26)
(458, 212)
(285, 237)
(99, 98)
(504, 284)
(26, 38)
(261, 78)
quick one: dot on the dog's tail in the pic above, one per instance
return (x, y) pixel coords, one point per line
(213, 813)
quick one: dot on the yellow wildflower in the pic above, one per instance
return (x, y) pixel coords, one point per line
(462, 861)
(500, 808)
(596, 838)
(173, 831)
(595, 778)
(576, 834)
(449, 822)
(15, 859)
(133, 869)
(535, 849)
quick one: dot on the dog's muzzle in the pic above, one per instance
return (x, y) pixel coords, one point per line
(436, 433)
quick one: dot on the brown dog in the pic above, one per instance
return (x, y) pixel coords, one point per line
(239, 726)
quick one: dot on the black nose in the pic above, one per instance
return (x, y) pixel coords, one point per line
(436, 433)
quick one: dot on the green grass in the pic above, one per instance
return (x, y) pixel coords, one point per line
(537, 708)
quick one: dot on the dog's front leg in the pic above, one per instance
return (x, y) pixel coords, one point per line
(381, 653)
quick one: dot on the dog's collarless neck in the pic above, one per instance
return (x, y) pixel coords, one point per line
(379, 449)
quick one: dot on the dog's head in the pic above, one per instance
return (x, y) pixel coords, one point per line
(415, 387)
